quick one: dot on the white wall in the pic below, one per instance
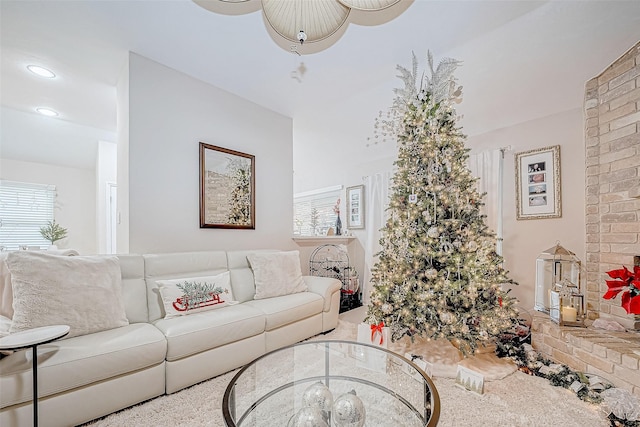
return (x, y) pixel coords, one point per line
(106, 173)
(75, 201)
(169, 114)
(331, 148)
(122, 118)
(524, 240)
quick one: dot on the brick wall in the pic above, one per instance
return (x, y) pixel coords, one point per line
(612, 136)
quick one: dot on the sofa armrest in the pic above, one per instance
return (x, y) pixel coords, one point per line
(323, 286)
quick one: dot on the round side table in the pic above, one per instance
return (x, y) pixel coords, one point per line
(33, 338)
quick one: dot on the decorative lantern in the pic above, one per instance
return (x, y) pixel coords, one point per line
(567, 304)
(558, 271)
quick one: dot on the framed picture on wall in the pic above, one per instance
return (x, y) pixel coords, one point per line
(538, 184)
(227, 188)
(355, 207)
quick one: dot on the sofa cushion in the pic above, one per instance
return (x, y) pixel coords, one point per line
(6, 294)
(276, 273)
(134, 288)
(242, 280)
(75, 362)
(196, 294)
(84, 292)
(187, 335)
(287, 309)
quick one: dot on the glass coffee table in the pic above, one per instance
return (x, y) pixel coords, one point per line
(331, 383)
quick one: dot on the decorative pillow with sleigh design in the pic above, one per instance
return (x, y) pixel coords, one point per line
(195, 294)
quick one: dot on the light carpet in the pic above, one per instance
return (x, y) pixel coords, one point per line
(516, 400)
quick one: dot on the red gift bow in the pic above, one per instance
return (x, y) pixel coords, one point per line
(377, 329)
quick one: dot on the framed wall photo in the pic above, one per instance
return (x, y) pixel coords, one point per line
(355, 207)
(538, 184)
(227, 188)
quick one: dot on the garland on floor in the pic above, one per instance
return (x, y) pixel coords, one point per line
(531, 362)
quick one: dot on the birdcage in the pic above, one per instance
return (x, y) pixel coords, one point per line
(333, 261)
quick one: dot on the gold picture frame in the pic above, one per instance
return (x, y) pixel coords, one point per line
(538, 191)
(227, 188)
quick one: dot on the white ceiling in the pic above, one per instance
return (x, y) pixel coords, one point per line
(522, 59)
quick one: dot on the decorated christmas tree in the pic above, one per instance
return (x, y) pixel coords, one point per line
(438, 274)
(240, 198)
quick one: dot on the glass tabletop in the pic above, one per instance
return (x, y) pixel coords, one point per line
(331, 383)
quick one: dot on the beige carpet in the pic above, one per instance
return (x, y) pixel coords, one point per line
(514, 400)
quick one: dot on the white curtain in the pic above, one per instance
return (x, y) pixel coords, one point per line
(376, 203)
(488, 166)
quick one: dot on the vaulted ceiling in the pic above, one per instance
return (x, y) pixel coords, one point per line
(522, 59)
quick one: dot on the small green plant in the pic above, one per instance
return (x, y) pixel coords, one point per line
(53, 231)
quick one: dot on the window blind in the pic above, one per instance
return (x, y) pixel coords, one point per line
(313, 213)
(24, 208)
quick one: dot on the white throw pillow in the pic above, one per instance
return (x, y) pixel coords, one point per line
(276, 273)
(195, 294)
(84, 292)
(6, 293)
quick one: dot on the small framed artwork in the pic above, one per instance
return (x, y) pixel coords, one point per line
(227, 188)
(355, 207)
(538, 184)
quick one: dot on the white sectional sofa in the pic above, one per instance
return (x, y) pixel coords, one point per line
(89, 376)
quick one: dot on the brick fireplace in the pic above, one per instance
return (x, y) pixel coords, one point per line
(612, 137)
(614, 356)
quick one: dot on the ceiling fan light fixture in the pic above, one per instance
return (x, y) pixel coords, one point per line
(302, 37)
(47, 112)
(41, 71)
(312, 25)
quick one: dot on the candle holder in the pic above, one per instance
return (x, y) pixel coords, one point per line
(567, 304)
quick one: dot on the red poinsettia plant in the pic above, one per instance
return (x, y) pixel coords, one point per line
(629, 284)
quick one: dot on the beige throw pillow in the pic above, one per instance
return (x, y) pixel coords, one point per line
(84, 292)
(276, 273)
(196, 294)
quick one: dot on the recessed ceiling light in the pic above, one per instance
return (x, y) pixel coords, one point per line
(47, 111)
(41, 71)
